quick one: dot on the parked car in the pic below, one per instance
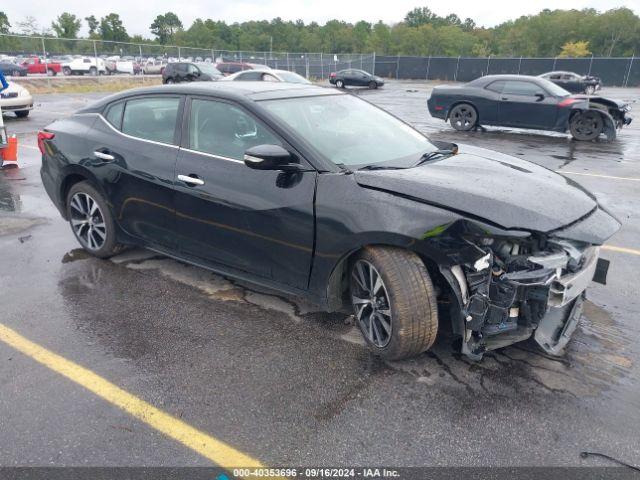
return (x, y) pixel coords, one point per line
(115, 65)
(574, 83)
(153, 67)
(267, 76)
(228, 68)
(190, 72)
(80, 66)
(527, 102)
(35, 65)
(356, 78)
(16, 99)
(11, 69)
(361, 212)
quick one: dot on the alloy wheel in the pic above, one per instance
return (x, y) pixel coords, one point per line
(87, 221)
(371, 303)
(464, 117)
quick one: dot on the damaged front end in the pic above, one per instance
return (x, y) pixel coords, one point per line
(509, 288)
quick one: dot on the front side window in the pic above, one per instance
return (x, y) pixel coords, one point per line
(152, 118)
(222, 129)
(516, 87)
(496, 86)
(350, 131)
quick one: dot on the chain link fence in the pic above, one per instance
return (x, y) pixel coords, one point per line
(52, 51)
(619, 72)
(141, 58)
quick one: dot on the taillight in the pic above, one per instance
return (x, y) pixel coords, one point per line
(568, 101)
(332, 74)
(42, 136)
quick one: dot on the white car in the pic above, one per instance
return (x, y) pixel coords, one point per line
(16, 99)
(270, 75)
(80, 66)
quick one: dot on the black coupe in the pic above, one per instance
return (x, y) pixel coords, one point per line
(527, 102)
(13, 69)
(356, 78)
(364, 212)
(574, 83)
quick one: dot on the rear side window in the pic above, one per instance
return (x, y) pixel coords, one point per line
(114, 114)
(151, 118)
(250, 75)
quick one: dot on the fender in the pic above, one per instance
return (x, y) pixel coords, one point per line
(609, 128)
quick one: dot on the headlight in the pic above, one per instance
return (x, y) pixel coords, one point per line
(23, 93)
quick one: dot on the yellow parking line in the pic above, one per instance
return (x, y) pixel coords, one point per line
(215, 450)
(632, 179)
(613, 248)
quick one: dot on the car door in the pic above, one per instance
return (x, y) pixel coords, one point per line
(134, 148)
(228, 214)
(525, 104)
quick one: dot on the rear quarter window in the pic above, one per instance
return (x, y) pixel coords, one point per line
(114, 114)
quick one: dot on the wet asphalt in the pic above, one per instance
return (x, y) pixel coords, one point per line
(283, 382)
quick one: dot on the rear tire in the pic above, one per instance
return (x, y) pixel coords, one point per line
(339, 84)
(586, 126)
(66, 71)
(91, 220)
(463, 117)
(22, 113)
(93, 71)
(373, 85)
(395, 306)
(169, 81)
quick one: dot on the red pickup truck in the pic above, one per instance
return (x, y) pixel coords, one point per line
(36, 65)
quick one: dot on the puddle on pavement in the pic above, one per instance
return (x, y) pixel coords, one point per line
(595, 361)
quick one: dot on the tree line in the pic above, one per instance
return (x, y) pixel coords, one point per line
(549, 33)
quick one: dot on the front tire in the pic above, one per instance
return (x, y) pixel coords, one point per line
(586, 126)
(169, 81)
(91, 220)
(22, 113)
(66, 71)
(394, 302)
(93, 71)
(463, 117)
(51, 72)
(373, 85)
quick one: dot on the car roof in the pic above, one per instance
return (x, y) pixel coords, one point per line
(239, 91)
(560, 72)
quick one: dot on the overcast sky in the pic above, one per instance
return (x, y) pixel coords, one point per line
(138, 15)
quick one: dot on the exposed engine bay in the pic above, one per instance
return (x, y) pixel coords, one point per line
(516, 288)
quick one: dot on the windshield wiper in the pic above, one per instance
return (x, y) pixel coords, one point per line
(431, 155)
(381, 167)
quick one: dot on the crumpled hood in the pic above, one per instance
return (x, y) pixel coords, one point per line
(506, 191)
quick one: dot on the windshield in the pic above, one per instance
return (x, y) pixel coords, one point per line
(208, 69)
(351, 132)
(292, 77)
(553, 89)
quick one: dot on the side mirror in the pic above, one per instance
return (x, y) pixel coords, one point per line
(270, 157)
(540, 97)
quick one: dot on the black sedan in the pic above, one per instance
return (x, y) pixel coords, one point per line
(13, 69)
(355, 78)
(527, 102)
(574, 83)
(365, 213)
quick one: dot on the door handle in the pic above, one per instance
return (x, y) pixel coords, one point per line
(104, 156)
(504, 98)
(190, 180)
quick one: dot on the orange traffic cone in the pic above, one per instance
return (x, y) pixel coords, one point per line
(10, 153)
